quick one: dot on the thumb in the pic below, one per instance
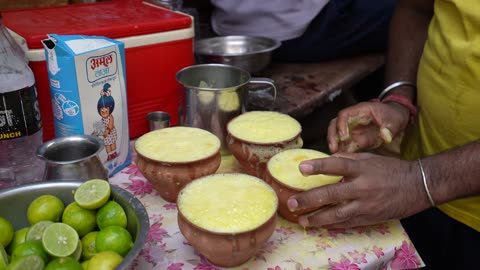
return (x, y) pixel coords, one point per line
(386, 135)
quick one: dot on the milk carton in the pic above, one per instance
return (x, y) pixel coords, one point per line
(88, 90)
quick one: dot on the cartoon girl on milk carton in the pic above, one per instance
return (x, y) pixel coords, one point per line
(105, 107)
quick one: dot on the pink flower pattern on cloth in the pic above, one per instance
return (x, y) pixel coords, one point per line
(381, 246)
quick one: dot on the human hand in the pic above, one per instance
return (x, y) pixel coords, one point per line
(366, 125)
(374, 189)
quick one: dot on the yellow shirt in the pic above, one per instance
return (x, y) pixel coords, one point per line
(449, 93)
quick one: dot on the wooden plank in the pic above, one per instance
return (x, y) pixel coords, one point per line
(303, 87)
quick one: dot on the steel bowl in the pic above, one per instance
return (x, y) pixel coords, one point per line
(18, 198)
(249, 53)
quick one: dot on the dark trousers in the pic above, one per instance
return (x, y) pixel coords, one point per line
(343, 28)
(442, 242)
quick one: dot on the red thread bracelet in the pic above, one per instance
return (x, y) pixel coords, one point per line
(402, 100)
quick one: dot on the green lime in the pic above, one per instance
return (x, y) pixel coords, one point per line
(66, 263)
(31, 262)
(36, 230)
(30, 247)
(60, 240)
(3, 258)
(77, 254)
(114, 238)
(45, 207)
(88, 245)
(7, 232)
(111, 214)
(81, 219)
(85, 264)
(18, 237)
(105, 260)
(92, 194)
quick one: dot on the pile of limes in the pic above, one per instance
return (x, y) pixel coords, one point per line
(89, 233)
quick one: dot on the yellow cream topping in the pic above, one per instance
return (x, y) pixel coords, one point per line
(264, 127)
(226, 101)
(229, 101)
(284, 167)
(228, 203)
(177, 144)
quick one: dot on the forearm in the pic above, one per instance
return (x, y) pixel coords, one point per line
(408, 33)
(454, 174)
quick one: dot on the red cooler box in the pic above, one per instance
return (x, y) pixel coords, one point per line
(158, 43)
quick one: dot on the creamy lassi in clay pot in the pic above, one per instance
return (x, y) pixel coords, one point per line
(227, 217)
(284, 175)
(254, 137)
(172, 157)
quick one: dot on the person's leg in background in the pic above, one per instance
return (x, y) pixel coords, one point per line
(443, 242)
(343, 28)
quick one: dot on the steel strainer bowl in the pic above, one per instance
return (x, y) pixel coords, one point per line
(247, 52)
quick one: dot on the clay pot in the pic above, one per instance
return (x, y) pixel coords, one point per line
(169, 177)
(284, 192)
(226, 248)
(253, 157)
(254, 137)
(288, 162)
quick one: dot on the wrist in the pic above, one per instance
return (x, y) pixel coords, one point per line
(402, 109)
(406, 88)
(407, 91)
(425, 183)
(404, 102)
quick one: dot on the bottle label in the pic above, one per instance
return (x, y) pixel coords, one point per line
(19, 113)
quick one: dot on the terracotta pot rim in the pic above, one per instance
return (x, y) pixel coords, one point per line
(267, 221)
(267, 143)
(173, 163)
(283, 184)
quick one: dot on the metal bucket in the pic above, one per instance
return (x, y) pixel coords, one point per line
(215, 94)
(73, 157)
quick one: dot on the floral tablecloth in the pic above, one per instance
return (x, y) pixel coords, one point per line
(382, 246)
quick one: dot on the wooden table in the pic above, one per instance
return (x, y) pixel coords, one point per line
(304, 87)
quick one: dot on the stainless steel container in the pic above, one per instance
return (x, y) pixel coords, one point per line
(74, 157)
(252, 54)
(158, 120)
(215, 94)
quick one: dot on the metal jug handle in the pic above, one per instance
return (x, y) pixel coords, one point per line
(259, 80)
